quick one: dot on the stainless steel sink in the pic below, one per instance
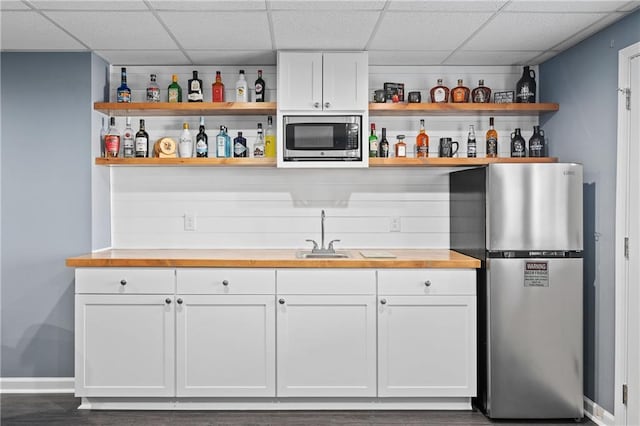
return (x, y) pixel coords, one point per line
(307, 254)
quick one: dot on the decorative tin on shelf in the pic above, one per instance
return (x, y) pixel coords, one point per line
(503, 97)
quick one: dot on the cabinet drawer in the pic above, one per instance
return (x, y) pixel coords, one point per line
(325, 281)
(125, 280)
(226, 281)
(427, 281)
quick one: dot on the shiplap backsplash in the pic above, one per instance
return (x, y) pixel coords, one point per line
(241, 207)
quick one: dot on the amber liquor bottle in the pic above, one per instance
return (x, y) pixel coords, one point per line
(481, 94)
(422, 142)
(217, 89)
(492, 140)
(439, 93)
(460, 93)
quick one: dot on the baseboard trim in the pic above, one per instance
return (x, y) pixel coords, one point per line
(597, 414)
(37, 384)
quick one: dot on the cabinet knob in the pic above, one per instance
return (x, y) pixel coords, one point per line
(316, 104)
(327, 105)
(179, 301)
(427, 283)
(281, 301)
(167, 301)
(123, 282)
(225, 282)
(383, 301)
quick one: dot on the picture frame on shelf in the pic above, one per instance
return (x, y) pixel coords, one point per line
(505, 97)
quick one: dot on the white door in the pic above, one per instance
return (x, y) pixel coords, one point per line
(124, 345)
(225, 345)
(326, 345)
(426, 346)
(628, 267)
(345, 81)
(300, 81)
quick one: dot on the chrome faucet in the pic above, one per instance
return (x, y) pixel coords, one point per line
(321, 249)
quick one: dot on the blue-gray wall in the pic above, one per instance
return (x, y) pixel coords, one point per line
(46, 206)
(583, 80)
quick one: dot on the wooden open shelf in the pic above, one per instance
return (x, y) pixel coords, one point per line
(381, 109)
(185, 108)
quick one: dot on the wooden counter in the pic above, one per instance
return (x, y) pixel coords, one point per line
(270, 258)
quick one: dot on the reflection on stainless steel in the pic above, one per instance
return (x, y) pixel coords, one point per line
(322, 251)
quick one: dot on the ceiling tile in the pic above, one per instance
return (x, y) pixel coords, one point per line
(401, 57)
(426, 31)
(491, 57)
(144, 57)
(115, 30)
(590, 30)
(233, 57)
(187, 5)
(114, 5)
(327, 5)
(446, 6)
(629, 6)
(529, 31)
(31, 31)
(563, 6)
(13, 5)
(222, 30)
(323, 29)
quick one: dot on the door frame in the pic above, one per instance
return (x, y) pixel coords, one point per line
(621, 268)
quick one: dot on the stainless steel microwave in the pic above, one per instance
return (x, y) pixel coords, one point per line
(322, 138)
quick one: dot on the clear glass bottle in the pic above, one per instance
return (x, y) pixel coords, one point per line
(123, 94)
(258, 147)
(269, 139)
(227, 143)
(422, 142)
(185, 143)
(472, 149)
(174, 92)
(195, 89)
(241, 88)
(202, 141)
(112, 139)
(153, 90)
(221, 142)
(240, 146)
(383, 147)
(217, 89)
(373, 142)
(492, 140)
(400, 147)
(142, 141)
(128, 144)
(260, 89)
(439, 93)
(460, 93)
(481, 94)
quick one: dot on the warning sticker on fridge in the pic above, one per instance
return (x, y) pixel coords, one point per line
(536, 274)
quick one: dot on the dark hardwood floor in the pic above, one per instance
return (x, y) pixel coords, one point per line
(61, 409)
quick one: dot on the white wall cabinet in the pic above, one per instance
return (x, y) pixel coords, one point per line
(323, 81)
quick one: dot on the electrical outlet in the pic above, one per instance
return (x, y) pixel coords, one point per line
(189, 222)
(394, 224)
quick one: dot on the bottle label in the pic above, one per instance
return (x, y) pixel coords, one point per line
(402, 151)
(471, 148)
(458, 95)
(517, 148)
(258, 151)
(373, 148)
(258, 88)
(194, 96)
(384, 150)
(492, 146)
(201, 147)
(220, 147)
(239, 149)
(173, 95)
(127, 144)
(141, 144)
(195, 86)
(112, 143)
(218, 94)
(439, 95)
(478, 96)
(124, 96)
(153, 94)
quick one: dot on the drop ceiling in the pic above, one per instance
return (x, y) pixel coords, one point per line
(245, 32)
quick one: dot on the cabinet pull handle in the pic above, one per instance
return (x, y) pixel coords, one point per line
(281, 301)
(316, 104)
(427, 283)
(123, 282)
(383, 301)
(327, 105)
(167, 301)
(179, 301)
(225, 282)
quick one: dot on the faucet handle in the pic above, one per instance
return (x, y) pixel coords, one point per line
(315, 245)
(330, 248)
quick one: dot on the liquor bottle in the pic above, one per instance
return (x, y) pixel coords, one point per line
(202, 141)
(373, 142)
(195, 89)
(460, 93)
(227, 143)
(526, 87)
(518, 146)
(492, 140)
(239, 146)
(241, 88)
(537, 145)
(153, 90)
(221, 142)
(422, 142)
(472, 149)
(128, 147)
(217, 89)
(258, 147)
(439, 93)
(481, 94)
(112, 139)
(260, 89)
(103, 131)
(142, 141)
(269, 139)
(174, 92)
(123, 93)
(185, 143)
(384, 144)
(401, 147)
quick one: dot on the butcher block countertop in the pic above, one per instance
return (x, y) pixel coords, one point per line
(270, 258)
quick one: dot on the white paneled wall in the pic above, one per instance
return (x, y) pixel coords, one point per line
(245, 207)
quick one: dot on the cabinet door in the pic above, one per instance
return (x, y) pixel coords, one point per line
(300, 81)
(427, 346)
(124, 345)
(326, 345)
(225, 345)
(345, 81)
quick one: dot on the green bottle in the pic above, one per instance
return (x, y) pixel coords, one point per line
(175, 91)
(373, 142)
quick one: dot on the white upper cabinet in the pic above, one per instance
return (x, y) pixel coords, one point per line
(322, 81)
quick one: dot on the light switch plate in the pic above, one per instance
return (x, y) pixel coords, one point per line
(189, 221)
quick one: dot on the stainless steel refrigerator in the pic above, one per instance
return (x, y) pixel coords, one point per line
(524, 221)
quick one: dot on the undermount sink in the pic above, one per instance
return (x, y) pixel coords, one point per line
(307, 254)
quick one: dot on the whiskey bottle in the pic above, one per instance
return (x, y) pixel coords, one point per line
(384, 145)
(269, 139)
(373, 142)
(202, 141)
(142, 141)
(153, 90)
(260, 89)
(492, 140)
(128, 147)
(481, 94)
(123, 93)
(112, 139)
(400, 147)
(242, 94)
(174, 92)
(239, 146)
(217, 89)
(422, 142)
(471, 143)
(439, 93)
(460, 93)
(518, 147)
(195, 89)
